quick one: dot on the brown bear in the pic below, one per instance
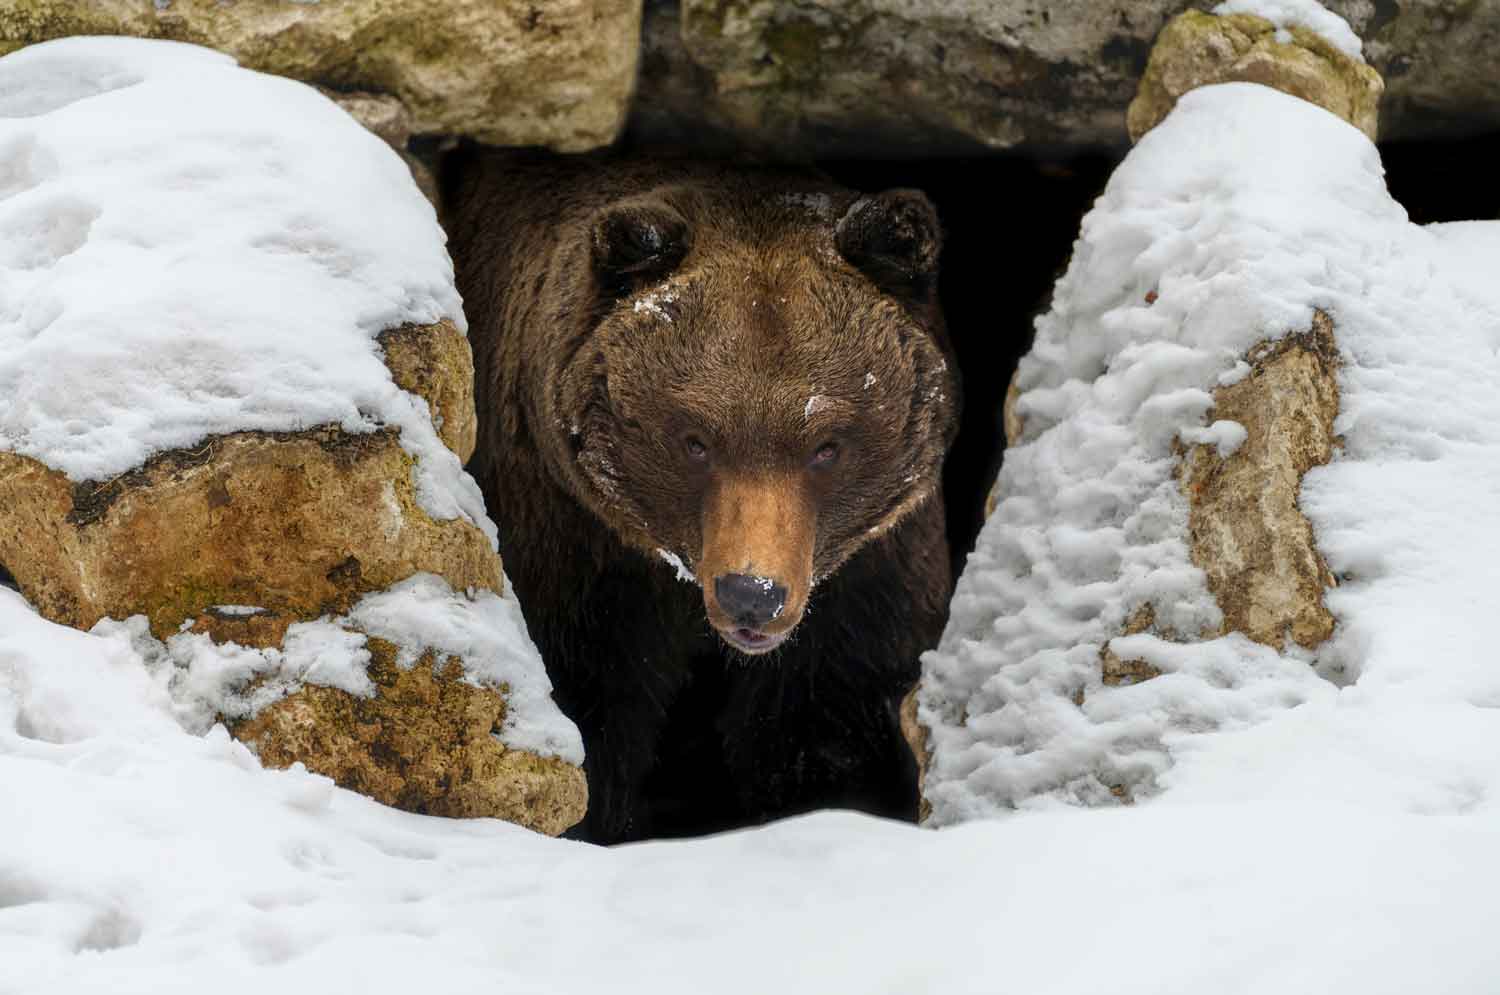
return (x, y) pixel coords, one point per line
(714, 403)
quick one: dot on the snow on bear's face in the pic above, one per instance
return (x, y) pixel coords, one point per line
(761, 395)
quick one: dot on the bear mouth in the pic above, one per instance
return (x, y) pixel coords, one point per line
(752, 642)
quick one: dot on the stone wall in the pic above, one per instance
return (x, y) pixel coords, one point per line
(805, 79)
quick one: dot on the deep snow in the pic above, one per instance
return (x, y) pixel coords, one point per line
(138, 858)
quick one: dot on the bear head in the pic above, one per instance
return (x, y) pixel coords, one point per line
(754, 383)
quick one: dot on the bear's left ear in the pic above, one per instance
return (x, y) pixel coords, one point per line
(893, 238)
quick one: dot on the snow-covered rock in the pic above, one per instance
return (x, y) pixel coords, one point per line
(511, 72)
(233, 373)
(1096, 650)
(1295, 47)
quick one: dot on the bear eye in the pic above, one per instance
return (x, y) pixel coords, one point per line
(826, 454)
(696, 449)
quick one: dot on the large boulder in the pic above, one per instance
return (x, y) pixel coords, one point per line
(239, 422)
(821, 78)
(511, 72)
(1148, 572)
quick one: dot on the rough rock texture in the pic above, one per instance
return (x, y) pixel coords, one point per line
(425, 743)
(435, 363)
(1117, 671)
(511, 72)
(257, 518)
(915, 734)
(1248, 534)
(1011, 421)
(1197, 49)
(251, 518)
(928, 77)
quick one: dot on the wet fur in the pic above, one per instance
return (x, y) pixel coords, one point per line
(576, 458)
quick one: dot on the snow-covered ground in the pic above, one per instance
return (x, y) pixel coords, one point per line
(135, 857)
(1310, 834)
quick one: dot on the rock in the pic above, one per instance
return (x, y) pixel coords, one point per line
(829, 78)
(252, 518)
(258, 485)
(1148, 577)
(435, 363)
(915, 734)
(1437, 57)
(860, 77)
(1248, 534)
(504, 71)
(1014, 426)
(1198, 49)
(426, 741)
(299, 526)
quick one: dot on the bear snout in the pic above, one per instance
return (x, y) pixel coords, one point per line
(758, 539)
(751, 602)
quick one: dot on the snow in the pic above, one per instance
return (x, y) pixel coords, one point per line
(188, 249)
(138, 857)
(1225, 436)
(1244, 211)
(1307, 14)
(205, 680)
(488, 632)
(675, 562)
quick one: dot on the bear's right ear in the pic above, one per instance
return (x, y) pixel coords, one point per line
(634, 244)
(894, 239)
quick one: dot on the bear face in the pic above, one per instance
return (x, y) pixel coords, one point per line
(754, 389)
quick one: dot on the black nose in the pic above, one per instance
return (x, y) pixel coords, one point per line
(750, 601)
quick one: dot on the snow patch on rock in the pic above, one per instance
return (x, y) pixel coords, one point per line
(188, 249)
(206, 680)
(1307, 14)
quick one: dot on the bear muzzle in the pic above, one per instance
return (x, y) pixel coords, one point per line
(758, 538)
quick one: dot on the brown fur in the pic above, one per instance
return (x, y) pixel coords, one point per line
(625, 312)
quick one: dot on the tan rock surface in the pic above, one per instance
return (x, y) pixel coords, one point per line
(425, 743)
(301, 523)
(1248, 534)
(1197, 49)
(557, 74)
(435, 363)
(1013, 425)
(915, 734)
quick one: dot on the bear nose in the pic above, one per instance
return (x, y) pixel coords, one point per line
(750, 601)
